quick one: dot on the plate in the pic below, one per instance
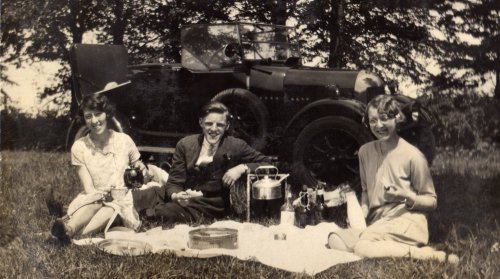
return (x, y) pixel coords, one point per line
(125, 247)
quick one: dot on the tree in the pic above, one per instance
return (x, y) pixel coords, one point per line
(386, 35)
(268, 11)
(45, 30)
(471, 47)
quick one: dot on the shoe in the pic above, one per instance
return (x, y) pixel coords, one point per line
(54, 206)
(62, 231)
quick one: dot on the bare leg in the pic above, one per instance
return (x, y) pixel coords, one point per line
(379, 249)
(99, 221)
(82, 216)
(337, 243)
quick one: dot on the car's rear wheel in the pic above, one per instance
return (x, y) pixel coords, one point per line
(250, 116)
(326, 150)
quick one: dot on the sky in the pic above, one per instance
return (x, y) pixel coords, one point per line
(30, 81)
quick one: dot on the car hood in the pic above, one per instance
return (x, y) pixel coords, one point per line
(316, 83)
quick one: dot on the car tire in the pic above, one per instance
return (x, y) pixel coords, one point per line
(326, 150)
(250, 116)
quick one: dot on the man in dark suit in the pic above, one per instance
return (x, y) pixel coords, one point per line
(204, 166)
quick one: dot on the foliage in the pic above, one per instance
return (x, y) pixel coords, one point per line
(471, 45)
(45, 30)
(21, 131)
(378, 34)
(267, 11)
(388, 35)
(466, 221)
(466, 120)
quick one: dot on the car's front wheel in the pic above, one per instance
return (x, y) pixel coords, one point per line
(326, 150)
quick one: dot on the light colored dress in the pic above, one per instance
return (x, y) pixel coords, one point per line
(106, 168)
(404, 167)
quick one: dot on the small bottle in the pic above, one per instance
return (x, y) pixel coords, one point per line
(302, 212)
(320, 203)
(287, 211)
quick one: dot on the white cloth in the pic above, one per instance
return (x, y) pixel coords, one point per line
(304, 250)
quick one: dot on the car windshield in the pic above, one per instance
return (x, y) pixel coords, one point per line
(214, 47)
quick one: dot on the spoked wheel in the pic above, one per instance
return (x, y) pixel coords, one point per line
(250, 117)
(327, 150)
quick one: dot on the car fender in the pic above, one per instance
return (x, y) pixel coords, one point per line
(327, 107)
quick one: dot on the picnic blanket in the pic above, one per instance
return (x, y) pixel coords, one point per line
(304, 250)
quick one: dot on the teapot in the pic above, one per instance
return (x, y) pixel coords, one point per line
(267, 188)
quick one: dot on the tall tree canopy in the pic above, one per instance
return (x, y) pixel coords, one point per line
(470, 48)
(45, 30)
(394, 37)
(380, 34)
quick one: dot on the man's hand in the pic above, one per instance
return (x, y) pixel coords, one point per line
(233, 174)
(180, 196)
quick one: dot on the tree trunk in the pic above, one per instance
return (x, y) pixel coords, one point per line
(76, 26)
(336, 24)
(118, 27)
(280, 13)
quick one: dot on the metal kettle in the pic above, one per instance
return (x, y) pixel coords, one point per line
(267, 188)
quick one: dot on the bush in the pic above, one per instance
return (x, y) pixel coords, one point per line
(19, 130)
(464, 121)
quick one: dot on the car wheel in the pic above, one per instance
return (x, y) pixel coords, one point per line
(250, 116)
(326, 150)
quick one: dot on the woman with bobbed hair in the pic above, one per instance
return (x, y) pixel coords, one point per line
(398, 191)
(100, 159)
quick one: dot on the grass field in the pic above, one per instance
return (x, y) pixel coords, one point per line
(466, 223)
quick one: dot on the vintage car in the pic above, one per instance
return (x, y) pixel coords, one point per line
(308, 119)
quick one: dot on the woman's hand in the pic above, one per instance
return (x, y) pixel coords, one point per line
(142, 168)
(395, 194)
